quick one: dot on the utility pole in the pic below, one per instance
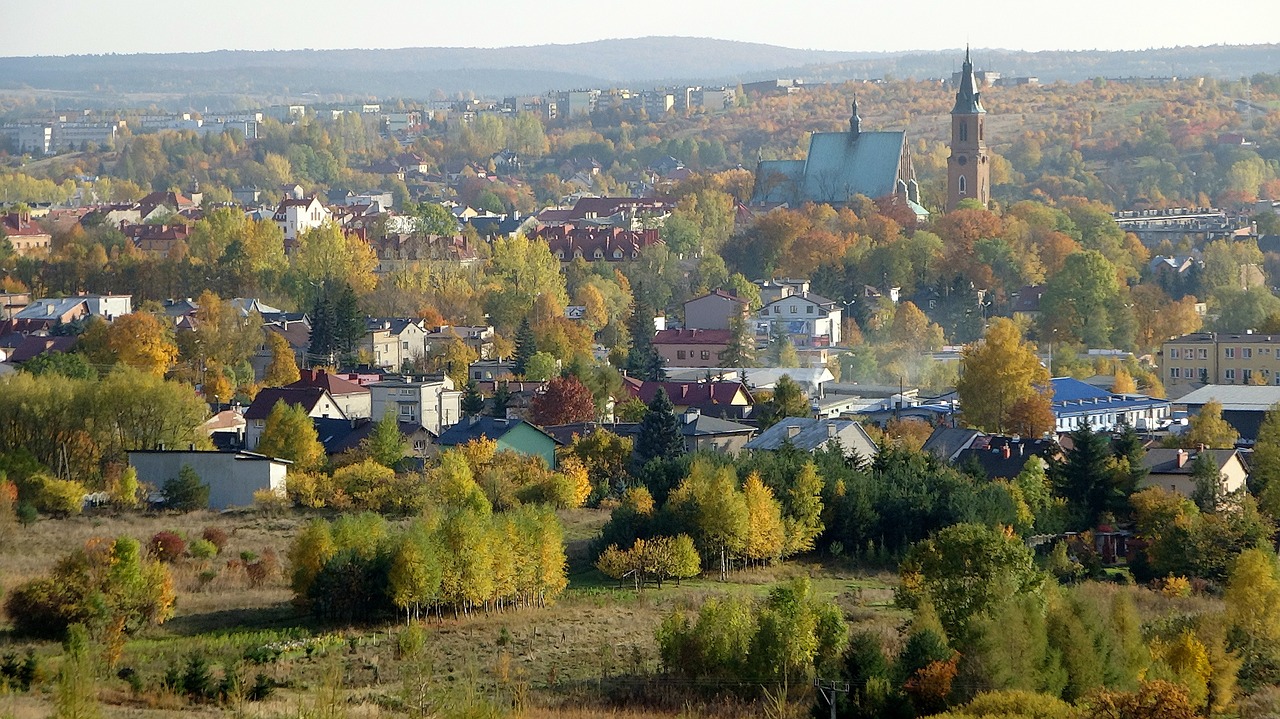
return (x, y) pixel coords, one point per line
(829, 688)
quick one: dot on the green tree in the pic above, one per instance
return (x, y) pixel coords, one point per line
(1264, 475)
(788, 400)
(964, 570)
(659, 435)
(716, 509)
(67, 364)
(643, 361)
(526, 348)
(1252, 597)
(186, 492)
(1208, 482)
(541, 367)
(1080, 301)
(75, 696)
(385, 445)
(434, 219)
(741, 350)
(501, 398)
(290, 434)
(472, 400)
(1084, 479)
(995, 374)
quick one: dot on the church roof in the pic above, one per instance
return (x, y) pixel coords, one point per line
(968, 99)
(839, 166)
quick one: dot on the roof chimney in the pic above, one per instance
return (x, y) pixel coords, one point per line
(1005, 452)
(831, 430)
(1182, 458)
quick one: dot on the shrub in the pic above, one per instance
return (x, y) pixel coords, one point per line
(27, 514)
(167, 547)
(59, 497)
(216, 536)
(186, 493)
(412, 640)
(203, 549)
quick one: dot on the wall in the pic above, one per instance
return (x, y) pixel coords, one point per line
(231, 481)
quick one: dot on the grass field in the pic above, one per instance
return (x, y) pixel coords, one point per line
(585, 656)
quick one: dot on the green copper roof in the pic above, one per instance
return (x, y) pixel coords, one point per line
(839, 166)
(968, 100)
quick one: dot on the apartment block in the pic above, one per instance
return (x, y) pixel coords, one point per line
(1221, 358)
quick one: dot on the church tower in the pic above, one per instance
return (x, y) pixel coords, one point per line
(969, 166)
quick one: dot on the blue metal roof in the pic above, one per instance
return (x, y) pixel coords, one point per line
(1071, 389)
(1071, 398)
(839, 165)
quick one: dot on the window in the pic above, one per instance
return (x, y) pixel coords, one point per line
(764, 312)
(1230, 375)
(1231, 352)
(1204, 374)
(1204, 353)
(706, 354)
(406, 410)
(405, 345)
(793, 309)
(809, 309)
(1174, 373)
(679, 354)
(964, 131)
(963, 185)
(1173, 353)
(1247, 353)
(617, 254)
(476, 374)
(1247, 377)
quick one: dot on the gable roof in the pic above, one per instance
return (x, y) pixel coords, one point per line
(839, 165)
(334, 385)
(1234, 397)
(810, 434)
(686, 394)
(307, 397)
(488, 427)
(1160, 460)
(947, 442)
(720, 294)
(807, 296)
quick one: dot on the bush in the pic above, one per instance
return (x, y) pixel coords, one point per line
(203, 549)
(411, 641)
(216, 536)
(167, 547)
(59, 497)
(27, 514)
(186, 493)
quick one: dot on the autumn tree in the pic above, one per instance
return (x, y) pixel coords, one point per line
(1253, 603)
(766, 538)
(283, 368)
(290, 434)
(718, 512)
(385, 445)
(565, 400)
(1208, 428)
(998, 372)
(328, 255)
(141, 341)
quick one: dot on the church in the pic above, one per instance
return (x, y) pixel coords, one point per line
(877, 164)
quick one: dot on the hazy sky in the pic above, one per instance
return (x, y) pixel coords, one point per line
(64, 27)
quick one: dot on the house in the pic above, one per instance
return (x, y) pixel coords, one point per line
(596, 244)
(692, 348)
(840, 165)
(477, 337)
(295, 328)
(233, 477)
(26, 237)
(1220, 358)
(715, 310)
(1076, 404)
(811, 379)
(391, 342)
(698, 430)
(515, 435)
(808, 319)
(1172, 468)
(316, 401)
(157, 239)
(50, 312)
(354, 400)
(810, 435)
(1243, 407)
(226, 429)
(32, 346)
(431, 401)
(341, 435)
(1005, 457)
(160, 204)
(715, 398)
(946, 443)
(11, 303)
(297, 215)
(490, 371)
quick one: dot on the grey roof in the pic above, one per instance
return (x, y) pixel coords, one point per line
(968, 99)
(839, 165)
(1165, 461)
(1234, 396)
(48, 308)
(812, 434)
(703, 426)
(946, 442)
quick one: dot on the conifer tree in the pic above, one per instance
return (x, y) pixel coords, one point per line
(472, 400)
(501, 398)
(526, 348)
(659, 431)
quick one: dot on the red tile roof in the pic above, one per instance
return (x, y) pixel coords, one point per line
(335, 385)
(693, 337)
(611, 244)
(687, 393)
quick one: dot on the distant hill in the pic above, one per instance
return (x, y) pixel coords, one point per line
(637, 63)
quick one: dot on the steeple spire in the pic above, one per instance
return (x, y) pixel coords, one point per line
(855, 122)
(968, 100)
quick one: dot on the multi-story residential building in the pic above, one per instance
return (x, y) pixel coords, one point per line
(810, 320)
(1221, 358)
(431, 402)
(295, 216)
(692, 348)
(392, 342)
(715, 311)
(27, 238)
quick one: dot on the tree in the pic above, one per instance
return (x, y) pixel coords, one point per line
(75, 696)
(1155, 699)
(385, 445)
(1208, 482)
(1208, 428)
(1123, 383)
(741, 350)
(995, 373)
(964, 570)
(434, 219)
(472, 400)
(564, 401)
(659, 436)
(283, 368)
(541, 367)
(186, 492)
(501, 398)
(1253, 601)
(526, 348)
(520, 272)
(788, 400)
(643, 361)
(327, 255)
(716, 509)
(1264, 479)
(1080, 300)
(141, 341)
(765, 536)
(67, 364)
(1084, 480)
(290, 434)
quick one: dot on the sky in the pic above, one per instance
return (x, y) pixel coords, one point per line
(78, 27)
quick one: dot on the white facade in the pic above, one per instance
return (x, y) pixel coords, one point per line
(430, 402)
(297, 216)
(807, 322)
(232, 477)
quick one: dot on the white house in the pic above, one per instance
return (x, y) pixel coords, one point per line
(295, 216)
(808, 319)
(317, 402)
(430, 402)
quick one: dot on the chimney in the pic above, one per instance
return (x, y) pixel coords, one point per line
(1182, 458)
(831, 430)
(691, 415)
(1005, 452)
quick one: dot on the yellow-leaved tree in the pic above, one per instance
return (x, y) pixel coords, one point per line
(999, 373)
(142, 341)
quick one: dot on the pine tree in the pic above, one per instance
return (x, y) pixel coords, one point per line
(348, 320)
(472, 400)
(643, 361)
(1083, 479)
(501, 398)
(741, 351)
(323, 340)
(659, 431)
(1208, 491)
(526, 347)
(1264, 479)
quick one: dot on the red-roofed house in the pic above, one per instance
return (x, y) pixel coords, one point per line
(156, 239)
(704, 396)
(692, 348)
(608, 244)
(354, 400)
(28, 238)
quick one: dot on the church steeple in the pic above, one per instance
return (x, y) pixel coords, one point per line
(855, 122)
(968, 99)
(968, 167)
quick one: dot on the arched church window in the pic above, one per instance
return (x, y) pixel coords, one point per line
(963, 184)
(964, 131)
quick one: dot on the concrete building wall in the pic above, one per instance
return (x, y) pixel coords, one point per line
(232, 476)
